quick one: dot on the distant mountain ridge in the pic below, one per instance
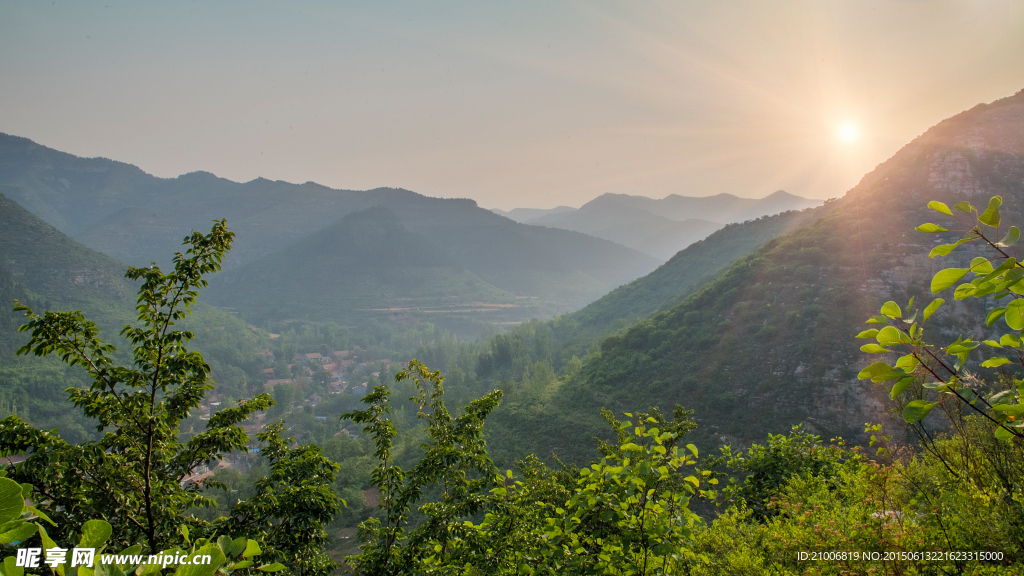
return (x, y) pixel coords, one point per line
(134, 217)
(659, 227)
(524, 215)
(721, 208)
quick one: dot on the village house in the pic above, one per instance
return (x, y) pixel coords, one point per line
(272, 383)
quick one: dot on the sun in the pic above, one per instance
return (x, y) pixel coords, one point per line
(848, 132)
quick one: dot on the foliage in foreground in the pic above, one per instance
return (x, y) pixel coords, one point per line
(136, 477)
(626, 514)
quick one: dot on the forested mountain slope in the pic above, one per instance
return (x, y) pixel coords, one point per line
(685, 273)
(367, 262)
(45, 269)
(137, 218)
(770, 343)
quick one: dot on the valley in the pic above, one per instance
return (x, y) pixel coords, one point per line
(750, 325)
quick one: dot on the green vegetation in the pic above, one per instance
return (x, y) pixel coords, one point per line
(138, 469)
(672, 282)
(513, 482)
(45, 269)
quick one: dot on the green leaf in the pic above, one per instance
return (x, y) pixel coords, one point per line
(964, 207)
(931, 308)
(874, 370)
(946, 278)
(275, 567)
(908, 362)
(940, 207)
(891, 336)
(1002, 433)
(916, 410)
(216, 559)
(873, 349)
(148, 569)
(1009, 409)
(941, 250)
(964, 291)
(893, 375)
(931, 228)
(252, 548)
(992, 343)
(995, 362)
(12, 501)
(981, 265)
(39, 514)
(991, 214)
(1006, 265)
(994, 315)
(1010, 340)
(11, 568)
(962, 348)
(131, 551)
(900, 386)
(15, 531)
(1015, 315)
(94, 534)
(877, 320)
(868, 333)
(232, 547)
(1011, 278)
(1011, 238)
(892, 310)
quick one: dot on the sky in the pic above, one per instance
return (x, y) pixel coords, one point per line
(513, 104)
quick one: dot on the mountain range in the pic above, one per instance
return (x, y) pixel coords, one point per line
(752, 327)
(659, 227)
(119, 210)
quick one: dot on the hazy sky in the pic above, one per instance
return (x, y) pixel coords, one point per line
(513, 104)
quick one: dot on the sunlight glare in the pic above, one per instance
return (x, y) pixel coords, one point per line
(848, 132)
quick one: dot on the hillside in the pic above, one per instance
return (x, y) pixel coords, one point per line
(45, 269)
(769, 343)
(59, 269)
(367, 262)
(119, 210)
(685, 273)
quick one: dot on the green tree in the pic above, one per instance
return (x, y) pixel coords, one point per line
(767, 468)
(135, 475)
(292, 505)
(455, 460)
(625, 514)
